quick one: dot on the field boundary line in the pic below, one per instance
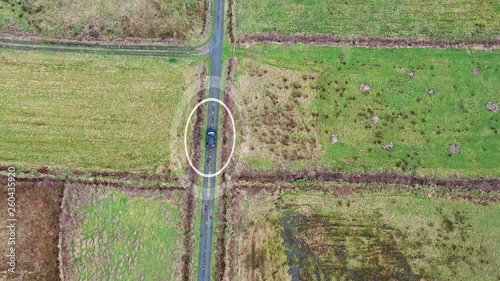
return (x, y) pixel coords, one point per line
(480, 183)
(368, 42)
(192, 179)
(225, 184)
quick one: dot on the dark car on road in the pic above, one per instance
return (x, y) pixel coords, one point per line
(211, 137)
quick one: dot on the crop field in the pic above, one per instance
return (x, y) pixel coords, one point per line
(90, 112)
(108, 19)
(422, 19)
(365, 235)
(112, 234)
(37, 206)
(430, 104)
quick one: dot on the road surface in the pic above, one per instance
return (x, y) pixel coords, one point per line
(207, 210)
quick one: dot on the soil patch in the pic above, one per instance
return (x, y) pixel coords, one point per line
(37, 229)
(388, 146)
(364, 88)
(455, 149)
(493, 107)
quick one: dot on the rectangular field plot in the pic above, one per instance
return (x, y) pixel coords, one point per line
(91, 112)
(430, 104)
(36, 230)
(363, 236)
(422, 19)
(108, 19)
(121, 234)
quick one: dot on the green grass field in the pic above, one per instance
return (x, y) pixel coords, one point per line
(109, 19)
(366, 235)
(89, 112)
(423, 19)
(290, 100)
(125, 235)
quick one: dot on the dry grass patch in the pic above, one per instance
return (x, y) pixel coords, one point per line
(271, 113)
(109, 19)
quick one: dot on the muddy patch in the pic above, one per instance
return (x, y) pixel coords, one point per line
(331, 247)
(37, 230)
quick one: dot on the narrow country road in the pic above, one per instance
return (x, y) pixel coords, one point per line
(207, 210)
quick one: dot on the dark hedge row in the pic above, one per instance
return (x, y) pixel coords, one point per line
(484, 184)
(371, 42)
(229, 95)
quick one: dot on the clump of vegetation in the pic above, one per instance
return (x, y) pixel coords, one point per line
(259, 249)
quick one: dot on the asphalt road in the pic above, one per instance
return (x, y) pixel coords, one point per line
(207, 210)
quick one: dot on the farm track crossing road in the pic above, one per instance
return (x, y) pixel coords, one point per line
(104, 49)
(207, 210)
(98, 45)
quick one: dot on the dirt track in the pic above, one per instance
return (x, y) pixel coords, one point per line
(105, 49)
